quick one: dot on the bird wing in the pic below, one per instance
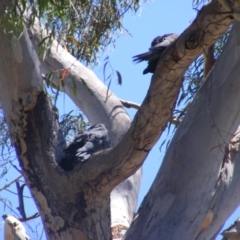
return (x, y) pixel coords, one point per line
(166, 41)
(142, 57)
(92, 140)
(78, 142)
(159, 44)
(97, 139)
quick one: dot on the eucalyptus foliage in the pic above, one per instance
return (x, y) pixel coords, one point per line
(84, 27)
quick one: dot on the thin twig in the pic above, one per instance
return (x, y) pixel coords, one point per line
(21, 208)
(128, 104)
(35, 215)
(175, 120)
(7, 185)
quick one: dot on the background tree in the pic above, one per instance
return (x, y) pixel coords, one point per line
(137, 142)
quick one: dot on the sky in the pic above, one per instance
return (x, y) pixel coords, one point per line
(155, 18)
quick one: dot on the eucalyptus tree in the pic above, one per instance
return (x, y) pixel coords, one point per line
(195, 189)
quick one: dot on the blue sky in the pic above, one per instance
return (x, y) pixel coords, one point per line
(155, 18)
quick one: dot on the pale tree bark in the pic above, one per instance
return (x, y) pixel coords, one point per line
(100, 105)
(84, 211)
(196, 188)
(233, 232)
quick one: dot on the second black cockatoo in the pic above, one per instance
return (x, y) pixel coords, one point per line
(158, 45)
(94, 139)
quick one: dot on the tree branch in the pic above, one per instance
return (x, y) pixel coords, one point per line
(99, 104)
(156, 110)
(196, 186)
(9, 184)
(211, 22)
(128, 104)
(98, 176)
(21, 207)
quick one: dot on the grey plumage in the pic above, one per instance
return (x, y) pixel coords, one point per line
(158, 45)
(94, 139)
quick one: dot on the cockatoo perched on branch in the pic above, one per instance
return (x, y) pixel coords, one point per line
(14, 229)
(158, 45)
(84, 145)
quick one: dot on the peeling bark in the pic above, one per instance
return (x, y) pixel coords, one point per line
(209, 60)
(195, 190)
(99, 104)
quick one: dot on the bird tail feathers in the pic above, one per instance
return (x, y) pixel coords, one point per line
(142, 57)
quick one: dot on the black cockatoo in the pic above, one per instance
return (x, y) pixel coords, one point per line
(86, 143)
(158, 45)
